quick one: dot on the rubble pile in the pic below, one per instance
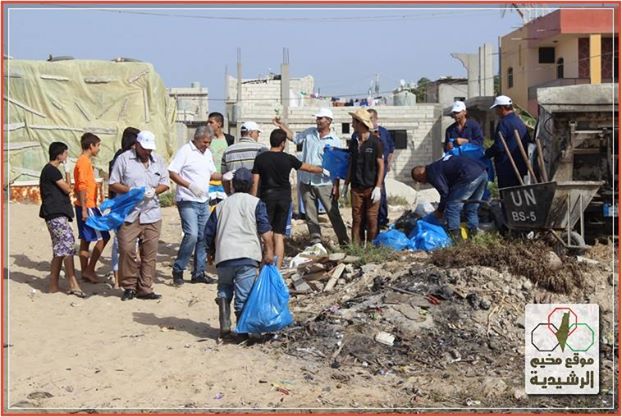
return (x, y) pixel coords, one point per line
(456, 313)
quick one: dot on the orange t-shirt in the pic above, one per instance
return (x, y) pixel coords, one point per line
(84, 178)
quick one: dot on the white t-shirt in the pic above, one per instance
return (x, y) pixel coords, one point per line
(194, 166)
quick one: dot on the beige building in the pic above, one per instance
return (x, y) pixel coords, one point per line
(565, 47)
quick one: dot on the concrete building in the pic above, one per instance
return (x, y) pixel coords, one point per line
(192, 109)
(565, 47)
(447, 90)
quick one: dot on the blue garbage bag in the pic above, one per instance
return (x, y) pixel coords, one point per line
(432, 219)
(266, 309)
(336, 161)
(120, 207)
(392, 238)
(427, 236)
(469, 150)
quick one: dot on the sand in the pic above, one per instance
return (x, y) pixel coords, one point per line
(67, 353)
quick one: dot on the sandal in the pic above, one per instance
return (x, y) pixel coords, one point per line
(77, 293)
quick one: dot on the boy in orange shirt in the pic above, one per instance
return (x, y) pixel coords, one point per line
(86, 205)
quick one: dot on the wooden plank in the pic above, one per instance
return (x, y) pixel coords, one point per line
(334, 277)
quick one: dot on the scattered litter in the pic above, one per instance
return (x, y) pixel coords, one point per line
(280, 389)
(39, 395)
(385, 338)
(471, 403)
(219, 396)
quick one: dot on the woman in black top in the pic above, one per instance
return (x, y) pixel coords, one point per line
(57, 211)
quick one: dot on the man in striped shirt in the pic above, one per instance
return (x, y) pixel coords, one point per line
(242, 153)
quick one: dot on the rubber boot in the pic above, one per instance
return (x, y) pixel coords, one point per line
(224, 316)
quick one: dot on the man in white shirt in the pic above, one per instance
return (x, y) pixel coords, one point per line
(191, 169)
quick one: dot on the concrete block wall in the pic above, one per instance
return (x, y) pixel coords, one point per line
(422, 123)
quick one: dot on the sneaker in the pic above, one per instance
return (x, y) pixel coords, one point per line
(178, 278)
(202, 279)
(128, 294)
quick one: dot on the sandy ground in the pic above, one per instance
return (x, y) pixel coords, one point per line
(101, 353)
(65, 353)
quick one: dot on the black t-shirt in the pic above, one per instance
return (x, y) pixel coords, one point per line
(363, 165)
(54, 201)
(274, 169)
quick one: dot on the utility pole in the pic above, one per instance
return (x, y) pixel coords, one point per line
(285, 85)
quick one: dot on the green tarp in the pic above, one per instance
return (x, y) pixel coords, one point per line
(59, 101)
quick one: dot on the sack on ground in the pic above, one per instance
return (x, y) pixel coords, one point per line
(266, 309)
(428, 237)
(336, 161)
(120, 207)
(392, 238)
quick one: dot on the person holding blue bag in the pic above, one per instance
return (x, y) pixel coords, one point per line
(234, 228)
(463, 130)
(456, 178)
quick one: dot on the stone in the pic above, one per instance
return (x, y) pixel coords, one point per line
(553, 261)
(300, 285)
(336, 256)
(527, 285)
(484, 304)
(397, 188)
(520, 394)
(369, 268)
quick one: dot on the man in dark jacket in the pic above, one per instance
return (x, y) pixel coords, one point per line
(508, 123)
(456, 178)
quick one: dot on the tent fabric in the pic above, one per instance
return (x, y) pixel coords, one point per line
(61, 100)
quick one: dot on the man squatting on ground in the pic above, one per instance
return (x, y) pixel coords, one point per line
(456, 178)
(191, 169)
(234, 228)
(57, 212)
(140, 167)
(271, 177)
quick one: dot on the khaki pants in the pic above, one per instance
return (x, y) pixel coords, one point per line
(134, 276)
(363, 208)
(310, 195)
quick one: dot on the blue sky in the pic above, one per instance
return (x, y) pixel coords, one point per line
(343, 48)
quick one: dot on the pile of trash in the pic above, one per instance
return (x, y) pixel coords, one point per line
(421, 315)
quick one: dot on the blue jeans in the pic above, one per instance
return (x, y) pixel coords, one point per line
(194, 216)
(468, 191)
(238, 280)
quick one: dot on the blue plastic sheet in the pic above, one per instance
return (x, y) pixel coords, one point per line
(336, 161)
(392, 238)
(120, 207)
(427, 236)
(266, 309)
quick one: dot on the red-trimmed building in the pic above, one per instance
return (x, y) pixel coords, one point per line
(565, 47)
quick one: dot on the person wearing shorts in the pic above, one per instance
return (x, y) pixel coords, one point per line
(86, 205)
(57, 212)
(271, 183)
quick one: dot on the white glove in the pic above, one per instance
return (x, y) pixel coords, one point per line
(196, 190)
(228, 176)
(326, 172)
(376, 195)
(149, 193)
(344, 192)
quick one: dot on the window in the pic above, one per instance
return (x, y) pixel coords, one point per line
(345, 128)
(510, 77)
(400, 138)
(560, 68)
(546, 55)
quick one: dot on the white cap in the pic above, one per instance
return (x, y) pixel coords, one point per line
(502, 101)
(146, 140)
(458, 107)
(250, 126)
(324, 112)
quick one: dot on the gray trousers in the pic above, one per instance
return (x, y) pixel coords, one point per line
(310, 195)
